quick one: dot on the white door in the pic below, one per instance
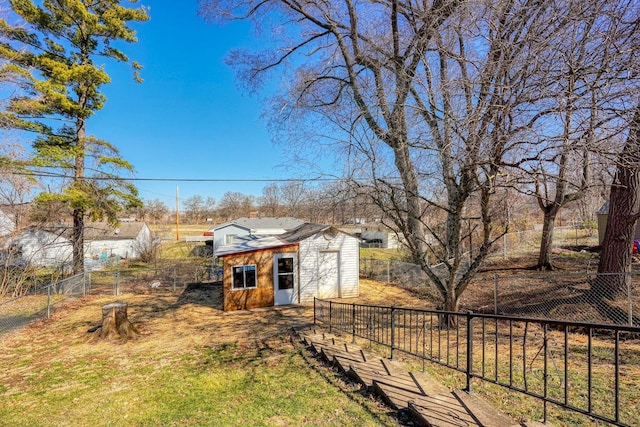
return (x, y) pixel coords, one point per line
(285, 279)
(328, 275)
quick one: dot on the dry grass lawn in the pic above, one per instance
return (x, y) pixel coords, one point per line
(192, 364)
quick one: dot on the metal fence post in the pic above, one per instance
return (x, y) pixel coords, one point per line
(353, 323)
(495, 292)
(48, 301)
(330, 316)
(630, 301)
(117, 282)
(388, 271)
(504, 246)
(469, 350)
(393, 324)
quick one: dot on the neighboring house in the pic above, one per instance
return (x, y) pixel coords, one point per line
(309, 261)
(125, 241)
(374, 236)
(229, 232)
(52, 246)
(386, 238)
(7, 225)
(603, 216)
(43, 248)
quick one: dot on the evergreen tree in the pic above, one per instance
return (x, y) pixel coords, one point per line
(51, 53)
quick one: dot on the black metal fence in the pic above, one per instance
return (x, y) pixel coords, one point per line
(590, 369)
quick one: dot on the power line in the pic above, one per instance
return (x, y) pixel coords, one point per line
(106, 178)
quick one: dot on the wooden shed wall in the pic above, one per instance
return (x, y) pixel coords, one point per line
(262, 296)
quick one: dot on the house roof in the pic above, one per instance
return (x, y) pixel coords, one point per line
(104, 231)
(248, 243)
(256, 224)
(604, 210)
(98, 230)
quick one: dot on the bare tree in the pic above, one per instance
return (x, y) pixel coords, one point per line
(156, 210)
(194, 208)
(624, 211)
(270, 200)
(234, 204)
(293, 194)
(432, 102)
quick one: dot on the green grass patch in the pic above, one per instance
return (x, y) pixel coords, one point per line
(276, 383)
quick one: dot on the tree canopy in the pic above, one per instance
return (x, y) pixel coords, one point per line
(50, 50)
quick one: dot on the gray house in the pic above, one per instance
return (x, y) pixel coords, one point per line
(232, 231)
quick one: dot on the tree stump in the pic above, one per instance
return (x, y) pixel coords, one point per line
(115, 323)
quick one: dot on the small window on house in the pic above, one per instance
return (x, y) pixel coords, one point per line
(229, 238)
(244, 277)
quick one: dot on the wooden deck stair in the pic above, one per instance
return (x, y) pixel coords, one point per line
(426, 401)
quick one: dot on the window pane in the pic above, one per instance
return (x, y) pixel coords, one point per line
(238, 277)
(285, 281)
(250, 276)
(285, 265)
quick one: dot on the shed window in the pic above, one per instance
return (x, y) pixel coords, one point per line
(229, 239)
(244, 277)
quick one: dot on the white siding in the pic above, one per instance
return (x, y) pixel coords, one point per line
(309, 251)
(44, 249)
(220, 234)
(124, 248)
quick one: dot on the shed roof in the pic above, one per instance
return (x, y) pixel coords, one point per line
(249, 243)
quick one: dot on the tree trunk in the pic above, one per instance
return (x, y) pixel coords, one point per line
(115, 323)
(546, 245)
(624, 204)
(78, 241)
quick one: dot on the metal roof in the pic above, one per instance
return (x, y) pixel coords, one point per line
(257, 224)
(251, 243)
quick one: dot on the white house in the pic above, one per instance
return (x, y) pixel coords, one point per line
(6, 225)
(43, 248)
(52, 246)
(125, 241)
(228, 232)
(309, 261)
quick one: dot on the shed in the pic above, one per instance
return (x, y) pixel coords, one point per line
(312, 260)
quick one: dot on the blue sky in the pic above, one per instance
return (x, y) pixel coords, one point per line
(188, 119)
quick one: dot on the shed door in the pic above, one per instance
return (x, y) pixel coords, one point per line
(285, 280)
(329, 275)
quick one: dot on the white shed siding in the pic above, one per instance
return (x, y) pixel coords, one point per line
(309, 250)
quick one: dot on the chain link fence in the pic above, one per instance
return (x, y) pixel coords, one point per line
(575, 296)
(19, 312)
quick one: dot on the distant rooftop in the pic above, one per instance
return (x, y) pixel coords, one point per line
(248, 244)
(285, 223)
